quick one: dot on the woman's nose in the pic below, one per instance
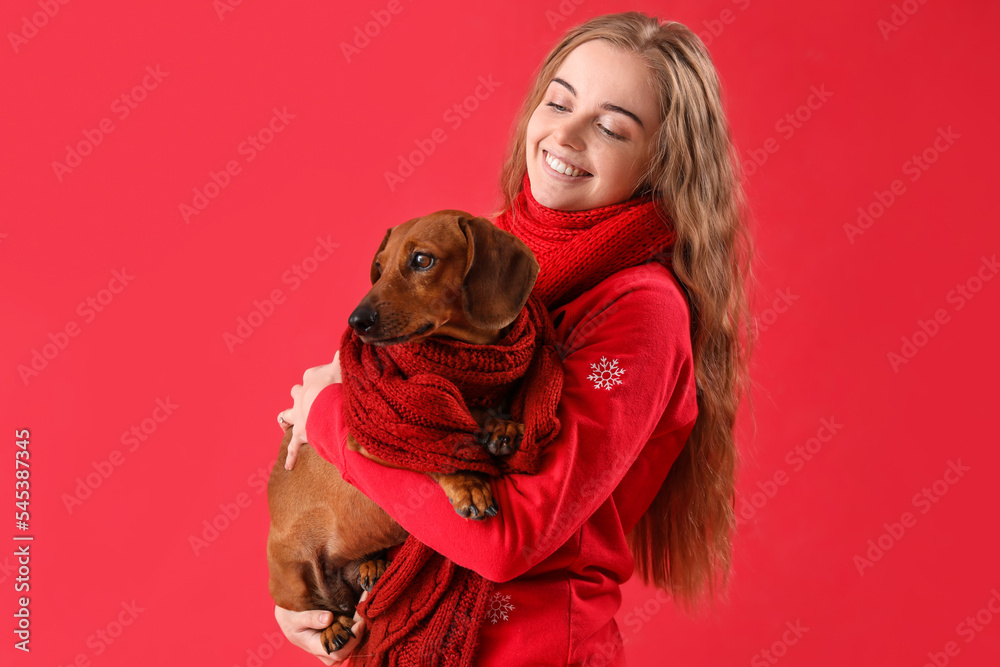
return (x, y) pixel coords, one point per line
(569, 132)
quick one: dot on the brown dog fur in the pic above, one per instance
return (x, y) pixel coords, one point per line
(327, 539)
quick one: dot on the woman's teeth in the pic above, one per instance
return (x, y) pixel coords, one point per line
(562, 167)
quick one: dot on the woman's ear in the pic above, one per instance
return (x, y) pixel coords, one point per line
(499, 274)
(375, 273)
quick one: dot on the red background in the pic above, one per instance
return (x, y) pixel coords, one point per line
(824, 357)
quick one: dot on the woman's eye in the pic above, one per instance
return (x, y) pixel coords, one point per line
(421, 260)
(610, 133)
(557, 107)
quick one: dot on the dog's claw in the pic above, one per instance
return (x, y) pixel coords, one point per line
(502, 436)
(492, 509)
(369, 573)
(350, 632)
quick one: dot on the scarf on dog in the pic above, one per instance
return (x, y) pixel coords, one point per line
(425, 609)
(408, 404)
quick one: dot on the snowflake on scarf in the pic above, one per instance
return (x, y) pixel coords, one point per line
(499, 607)
(605, 374)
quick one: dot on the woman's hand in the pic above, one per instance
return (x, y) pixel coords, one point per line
(314, 381)
(303, 629)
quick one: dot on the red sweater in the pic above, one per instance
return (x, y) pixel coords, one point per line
(557, 546)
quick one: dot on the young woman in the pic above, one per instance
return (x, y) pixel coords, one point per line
(622, 178)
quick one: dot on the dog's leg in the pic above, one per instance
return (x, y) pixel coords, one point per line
(469, 493)
(371, 569)
(301, 584)
(338, 634)
(500, 436)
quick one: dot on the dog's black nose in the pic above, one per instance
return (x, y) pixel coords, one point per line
(362, 319)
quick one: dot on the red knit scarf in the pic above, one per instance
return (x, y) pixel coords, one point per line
(409, 404)
(405, 404)
(578, 249)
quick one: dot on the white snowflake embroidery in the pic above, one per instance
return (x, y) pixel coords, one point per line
(499, 607)
(605, 374)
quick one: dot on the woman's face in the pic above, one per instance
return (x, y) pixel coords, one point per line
(589, 140)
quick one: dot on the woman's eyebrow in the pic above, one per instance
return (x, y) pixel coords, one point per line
(607, 105)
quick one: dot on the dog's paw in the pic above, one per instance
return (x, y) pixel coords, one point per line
(370, 572)
(470, 495)
(338, 634)
(501, 437)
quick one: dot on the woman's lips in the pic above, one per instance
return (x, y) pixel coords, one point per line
(555, 174)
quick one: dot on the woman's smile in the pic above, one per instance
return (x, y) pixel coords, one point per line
(589, 140)
(563, 169)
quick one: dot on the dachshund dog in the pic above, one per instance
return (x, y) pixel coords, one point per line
(444, 274)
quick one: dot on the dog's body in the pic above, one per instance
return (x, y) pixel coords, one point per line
(448, 274)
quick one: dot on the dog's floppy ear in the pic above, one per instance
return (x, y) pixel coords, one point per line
(499, 274)
(375, 273)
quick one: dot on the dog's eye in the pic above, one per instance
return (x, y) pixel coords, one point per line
(422, 261)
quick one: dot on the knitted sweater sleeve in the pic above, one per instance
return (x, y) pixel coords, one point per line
(638, 336)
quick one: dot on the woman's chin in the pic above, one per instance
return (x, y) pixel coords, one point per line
(561, 196)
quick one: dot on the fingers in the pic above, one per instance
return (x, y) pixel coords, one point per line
(299, 434)
(295, 621)
(316, 619)
(292, 454)
(358, 620)
(283, 420)
(335, 368)
(303, 628)
(294, 445)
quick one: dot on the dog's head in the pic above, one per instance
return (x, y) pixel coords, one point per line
(449, 273)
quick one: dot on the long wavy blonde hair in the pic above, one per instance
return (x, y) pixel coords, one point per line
(683, 543)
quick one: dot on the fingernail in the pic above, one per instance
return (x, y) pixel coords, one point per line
(325, 618)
